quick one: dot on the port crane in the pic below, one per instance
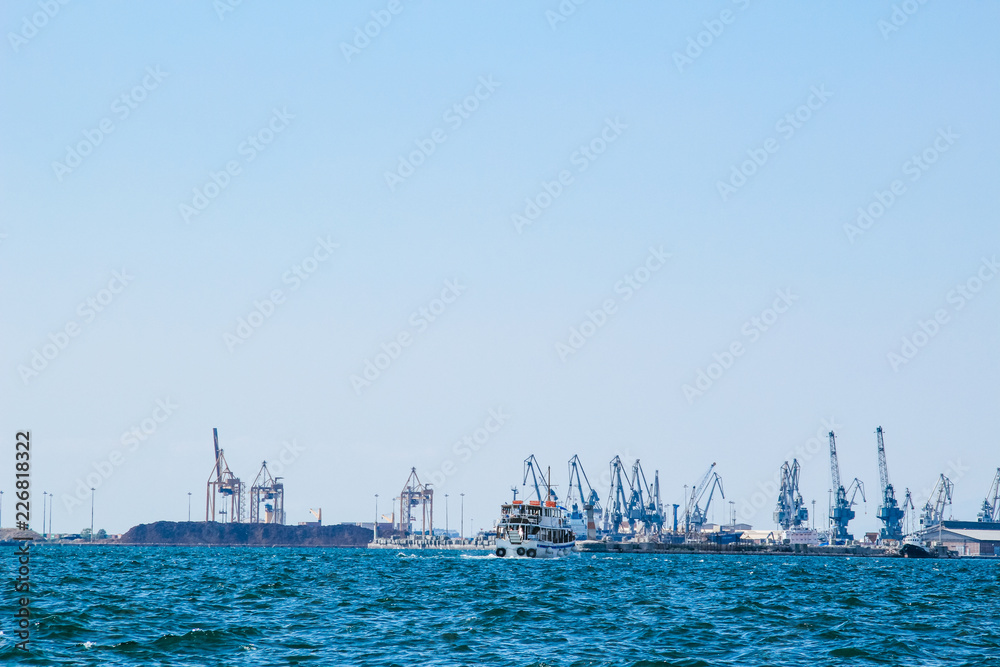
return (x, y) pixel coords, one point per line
(590, 499)
(889, 513)
(532, 467)
(908, 510)
(790, 511)
(694, 515)
(415, 494)
(222, 482)
(841, 513)
(270, 492)
(939, 499)
(644, 501)
(616, 511)
(991, 506)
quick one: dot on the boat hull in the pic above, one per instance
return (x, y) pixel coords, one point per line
(532, 549)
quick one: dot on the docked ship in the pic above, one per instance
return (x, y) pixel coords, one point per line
(533, 529)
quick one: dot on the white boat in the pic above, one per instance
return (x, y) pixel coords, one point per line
(533, 530)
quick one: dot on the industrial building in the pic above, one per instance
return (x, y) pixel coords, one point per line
(967, 538)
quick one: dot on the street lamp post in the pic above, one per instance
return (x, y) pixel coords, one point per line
(91, 514)
(462, 518)
(189, 507)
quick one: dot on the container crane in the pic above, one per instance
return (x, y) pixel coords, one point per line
(991, 506)
(270, 492)
(791, 511)
(841, 512)
(694, 515)
(939, 499)
(222, 482)
(889, 513)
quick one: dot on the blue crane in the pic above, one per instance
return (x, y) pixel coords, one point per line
(889, 511)
(841, 512)
(991, 506)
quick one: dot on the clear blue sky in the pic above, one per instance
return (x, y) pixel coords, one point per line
(197, 87)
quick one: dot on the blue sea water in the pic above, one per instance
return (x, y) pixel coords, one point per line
(219, 606)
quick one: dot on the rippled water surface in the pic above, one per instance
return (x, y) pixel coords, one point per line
(200, 606)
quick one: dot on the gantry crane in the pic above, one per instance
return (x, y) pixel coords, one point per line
(939, 499)
(223, 482)
(841, 512)
(991, 506)
(889, 512)
(415, 493)
(790, 511)
(694, 515)
(269, 492)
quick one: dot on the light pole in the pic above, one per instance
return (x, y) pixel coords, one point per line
(462, 518)
(732, 512)
(91, 514)
(189, 507)
(446, 514)
(814, 514)
(375, 528)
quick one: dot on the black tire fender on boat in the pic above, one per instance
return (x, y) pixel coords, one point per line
(531, 553)
(520, 551)
(501, 552)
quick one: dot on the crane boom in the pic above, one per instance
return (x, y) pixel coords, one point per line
(218, 466)
(834, 463)
(883, 469)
